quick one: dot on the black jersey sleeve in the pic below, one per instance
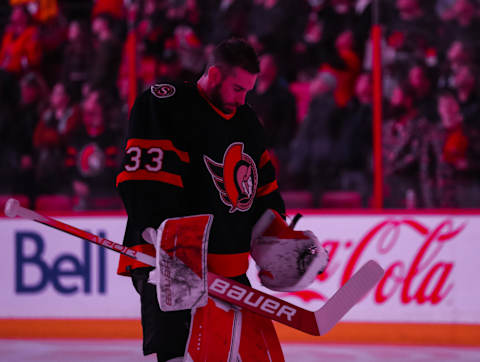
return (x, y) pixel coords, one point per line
(151, 181)
(267, 195)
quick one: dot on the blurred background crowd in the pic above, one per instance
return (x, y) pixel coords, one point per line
(66, 85)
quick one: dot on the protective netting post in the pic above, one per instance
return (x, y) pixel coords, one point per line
(377, 107)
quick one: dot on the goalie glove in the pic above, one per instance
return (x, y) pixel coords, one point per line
(289, 260)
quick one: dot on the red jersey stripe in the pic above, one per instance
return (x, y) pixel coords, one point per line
(165, 145)
(143, 175)
(267, 189)
(264, 159)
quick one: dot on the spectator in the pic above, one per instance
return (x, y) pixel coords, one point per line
(275, 106)
(42, 11)
(305, 37)
(107, 55)
(224, 19)
(53, 35)
(20, 51)
(152, 28)
(353, 151)
(167, 40)
(77, 58)
(445, 167)
(273, 26)
(466, 91)
(309, 51)
(345, 66)
(184, 12)
(32, 90)
(402, 140)
(420, 84)
(52, 135)
(458, 54)
(411, 34)
(311, 150)
(93, 154)
(464, 26)
(189, 49)
(338, 16)
(170, 69)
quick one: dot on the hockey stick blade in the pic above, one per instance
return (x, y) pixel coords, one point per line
(348, 295)
(315, 323)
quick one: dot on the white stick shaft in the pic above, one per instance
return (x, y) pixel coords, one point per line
(13, 208)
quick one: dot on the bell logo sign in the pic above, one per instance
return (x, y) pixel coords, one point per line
(67, 273)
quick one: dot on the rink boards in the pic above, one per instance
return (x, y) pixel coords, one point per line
(55, 285)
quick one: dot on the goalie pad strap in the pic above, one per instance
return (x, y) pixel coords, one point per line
(127, 264)
(228, 265)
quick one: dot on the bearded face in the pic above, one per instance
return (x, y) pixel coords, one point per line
(231, 89)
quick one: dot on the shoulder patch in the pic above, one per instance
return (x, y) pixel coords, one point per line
(162, 90)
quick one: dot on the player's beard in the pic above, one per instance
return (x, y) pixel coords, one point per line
(217, 100)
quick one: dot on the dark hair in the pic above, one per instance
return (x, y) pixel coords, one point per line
(235, 52)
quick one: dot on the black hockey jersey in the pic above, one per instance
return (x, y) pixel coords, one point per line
(185, 157)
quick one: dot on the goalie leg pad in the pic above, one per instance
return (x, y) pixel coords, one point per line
(214, 333)
(221, 332)
(259, 341)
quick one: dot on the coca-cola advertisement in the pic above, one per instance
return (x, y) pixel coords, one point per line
(429, 261)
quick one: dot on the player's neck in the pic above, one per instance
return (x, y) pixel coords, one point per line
(205, 95)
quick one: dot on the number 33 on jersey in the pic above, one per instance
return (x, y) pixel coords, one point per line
(144, 161)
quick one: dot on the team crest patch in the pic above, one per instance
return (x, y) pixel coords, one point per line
(91, 160)
(162, 90)
(236, 179)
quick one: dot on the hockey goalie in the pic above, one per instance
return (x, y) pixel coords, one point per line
(287, 260)
(184, 321)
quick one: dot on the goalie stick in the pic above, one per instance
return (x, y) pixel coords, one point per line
(313, 322)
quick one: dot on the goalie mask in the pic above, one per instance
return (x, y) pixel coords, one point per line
(288, 260)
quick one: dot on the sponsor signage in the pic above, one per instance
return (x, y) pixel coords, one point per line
(430, 262)
(46, 273)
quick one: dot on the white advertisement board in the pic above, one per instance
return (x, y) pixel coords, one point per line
(47, 273)
(430, 261)
(431, 264)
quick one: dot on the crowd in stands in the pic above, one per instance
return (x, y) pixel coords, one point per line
(65, 82)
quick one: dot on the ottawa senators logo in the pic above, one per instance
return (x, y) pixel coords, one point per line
(236, 179)
(91, 160)
(162, 90)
